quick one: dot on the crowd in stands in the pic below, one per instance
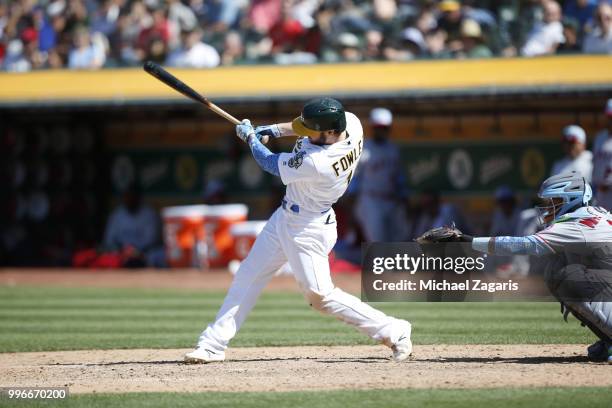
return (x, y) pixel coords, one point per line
(92, 34)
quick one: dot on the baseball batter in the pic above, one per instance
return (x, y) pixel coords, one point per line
(302, 231)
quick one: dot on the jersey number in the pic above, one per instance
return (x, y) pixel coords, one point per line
(349, 178)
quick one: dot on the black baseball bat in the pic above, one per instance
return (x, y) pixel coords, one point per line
(178, 85)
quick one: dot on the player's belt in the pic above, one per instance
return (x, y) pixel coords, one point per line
(295, 208)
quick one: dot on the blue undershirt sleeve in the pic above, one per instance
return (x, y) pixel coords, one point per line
(529, 245)
(267, 160)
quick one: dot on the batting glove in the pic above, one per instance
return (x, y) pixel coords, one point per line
(244, 130)
(272, 131)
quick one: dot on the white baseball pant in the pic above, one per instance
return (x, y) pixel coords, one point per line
(305, 242)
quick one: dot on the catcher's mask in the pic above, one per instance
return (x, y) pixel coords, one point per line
(561, 194)
(548, 209)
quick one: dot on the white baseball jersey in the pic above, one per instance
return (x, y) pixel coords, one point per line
(317, 176)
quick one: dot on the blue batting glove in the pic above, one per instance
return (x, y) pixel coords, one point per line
(244, 130)
(272, 131)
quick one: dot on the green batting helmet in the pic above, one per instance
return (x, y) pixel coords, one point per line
(319, 115)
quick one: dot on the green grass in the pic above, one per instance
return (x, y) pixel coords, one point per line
(498, 398)
(40, 319)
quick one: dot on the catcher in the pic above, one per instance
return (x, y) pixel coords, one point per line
(575, 249)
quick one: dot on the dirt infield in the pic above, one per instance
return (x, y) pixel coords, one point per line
(306, 368)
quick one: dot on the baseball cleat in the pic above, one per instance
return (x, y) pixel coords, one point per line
(402, 349)
(203, 356)
(598, 351)
(610, 355)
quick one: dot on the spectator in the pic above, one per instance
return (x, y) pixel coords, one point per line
(104, 20)
(32, 51)
(472, 43)
(63, 38)
(15, 60)
(349, 48)
(426, 21)
(193, 53)
(545, 37)
(86, 53)
(570, 33)
(218, 15)
(451, 19)
(580, 10)
(127, 32)
(264, 14)
(484, 17)
(233, 49)
(411, 47)
(155, 34)
(55, 60)
(602, 166)
(4, 18)
(47, 37)
(287, 33)
(577, 158)
(373, 45)
(181, 17)
(383, 15)
(599, 40)
(380, 184)
(133, 229)
(436, 44)
(290, 38)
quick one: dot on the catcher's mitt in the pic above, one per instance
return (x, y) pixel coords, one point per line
(443, 234)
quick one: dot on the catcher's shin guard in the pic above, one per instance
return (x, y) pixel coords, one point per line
(587, 294)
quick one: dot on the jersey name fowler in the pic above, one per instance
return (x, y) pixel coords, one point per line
(347, 161)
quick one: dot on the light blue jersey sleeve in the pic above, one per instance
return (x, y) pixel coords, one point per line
(529, 245)
(264, 157)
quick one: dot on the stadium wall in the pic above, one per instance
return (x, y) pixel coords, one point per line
(465, 127)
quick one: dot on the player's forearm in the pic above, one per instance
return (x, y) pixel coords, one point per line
(267, 160)
(529, 245)
(275, 130)
(285, 129)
